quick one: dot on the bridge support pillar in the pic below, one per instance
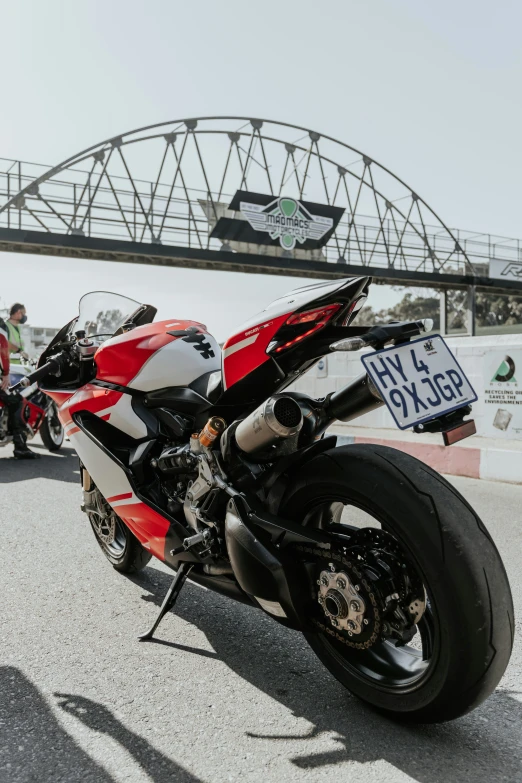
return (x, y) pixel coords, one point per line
(471, 310)
(443, 311)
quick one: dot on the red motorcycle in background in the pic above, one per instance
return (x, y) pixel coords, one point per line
(206, 459)
(39, 413)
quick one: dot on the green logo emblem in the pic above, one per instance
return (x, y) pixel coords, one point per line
(286, 219)
(505, 372)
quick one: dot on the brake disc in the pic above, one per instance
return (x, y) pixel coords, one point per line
(363, 633)
(366, 591)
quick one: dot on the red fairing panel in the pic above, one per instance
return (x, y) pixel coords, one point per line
(4, 349)
(246, 350)
(89, 398)
(149, 527)
(121, 358)
(36, 414)
(59, 397)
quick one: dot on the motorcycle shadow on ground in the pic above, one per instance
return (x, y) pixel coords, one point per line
(483, 747)
(35, 746)
(61, 465)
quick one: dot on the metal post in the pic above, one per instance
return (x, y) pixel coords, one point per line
(152, 211)
(443, 311)
(19, 189)
(471, 310)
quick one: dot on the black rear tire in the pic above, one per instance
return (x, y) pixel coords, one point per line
(457, 561)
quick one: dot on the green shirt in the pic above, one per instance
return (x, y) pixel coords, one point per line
(15, 337)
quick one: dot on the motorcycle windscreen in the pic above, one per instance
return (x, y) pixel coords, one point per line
(100, 313)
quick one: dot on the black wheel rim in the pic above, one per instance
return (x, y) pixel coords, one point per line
(386, 665)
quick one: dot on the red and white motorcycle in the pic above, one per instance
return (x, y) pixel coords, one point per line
(38, 413)
(204, 459)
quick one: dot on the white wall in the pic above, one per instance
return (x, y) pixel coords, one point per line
(476, 355)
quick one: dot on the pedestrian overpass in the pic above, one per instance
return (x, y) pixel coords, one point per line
(247, 195)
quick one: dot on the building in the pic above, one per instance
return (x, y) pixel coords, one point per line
(35, 338)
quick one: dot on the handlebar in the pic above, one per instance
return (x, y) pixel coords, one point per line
(52, 366)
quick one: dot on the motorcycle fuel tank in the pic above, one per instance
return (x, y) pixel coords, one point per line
(158, 355)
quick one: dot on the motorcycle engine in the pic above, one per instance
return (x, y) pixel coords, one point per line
(176, 467)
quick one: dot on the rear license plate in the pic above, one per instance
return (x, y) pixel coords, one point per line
(419, 380)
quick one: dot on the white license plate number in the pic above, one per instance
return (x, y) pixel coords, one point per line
(419, 380)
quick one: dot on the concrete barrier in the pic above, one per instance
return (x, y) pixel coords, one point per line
(495, 453)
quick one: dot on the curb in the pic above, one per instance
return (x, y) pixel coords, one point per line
(492, 464)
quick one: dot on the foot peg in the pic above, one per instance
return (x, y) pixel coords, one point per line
(170, 598)
(188, 543)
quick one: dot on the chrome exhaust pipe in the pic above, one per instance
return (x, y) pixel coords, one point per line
(277, 418)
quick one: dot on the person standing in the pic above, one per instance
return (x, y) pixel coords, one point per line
(12, 401)
(17, 317)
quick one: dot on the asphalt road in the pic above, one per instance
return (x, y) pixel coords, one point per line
(226, 695)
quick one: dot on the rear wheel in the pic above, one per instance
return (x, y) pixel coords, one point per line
(51, 431)
(119, 545)
(412, 608)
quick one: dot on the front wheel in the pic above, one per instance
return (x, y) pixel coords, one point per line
(51, 431)
(412, 609)
(119, 545)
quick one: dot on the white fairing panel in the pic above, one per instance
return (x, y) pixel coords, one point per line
(294, 300)
(177, 364)
(122, 416)
(107, 475)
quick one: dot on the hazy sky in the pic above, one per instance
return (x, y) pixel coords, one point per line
(430, 90)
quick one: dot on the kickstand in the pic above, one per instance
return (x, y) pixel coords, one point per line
(170, 599)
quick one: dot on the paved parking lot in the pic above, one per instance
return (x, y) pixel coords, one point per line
(224, 695)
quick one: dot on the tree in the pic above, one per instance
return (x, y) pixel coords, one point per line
(107, 321)
(491, 310)
(410, 308)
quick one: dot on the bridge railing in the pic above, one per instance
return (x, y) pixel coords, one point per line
(142, 211)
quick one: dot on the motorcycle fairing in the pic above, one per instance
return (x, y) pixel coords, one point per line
(32, 415)
(32, 411)
(94, 399)
(58, 397)
(160, 354)
(111, 478)
(245, 351)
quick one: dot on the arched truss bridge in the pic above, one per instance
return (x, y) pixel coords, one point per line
(240, 194)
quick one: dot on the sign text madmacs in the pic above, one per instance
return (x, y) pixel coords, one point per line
(288, 222)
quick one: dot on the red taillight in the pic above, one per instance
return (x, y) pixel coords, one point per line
(320, 315)
(317, 318)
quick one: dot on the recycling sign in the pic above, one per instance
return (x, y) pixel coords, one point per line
(502, 398)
